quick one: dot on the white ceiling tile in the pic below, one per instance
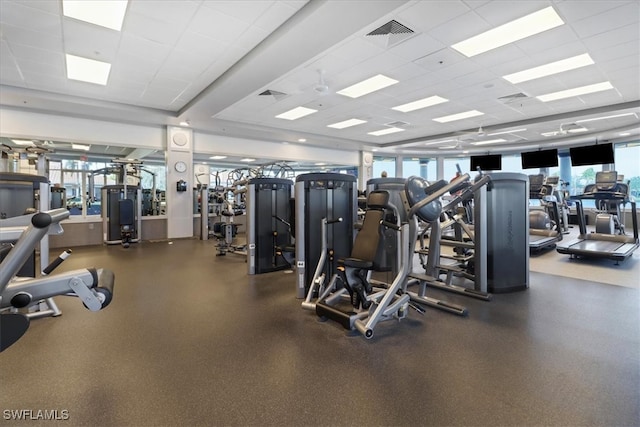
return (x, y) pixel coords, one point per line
(90, 41)
(277, 14)
(417, 47)
(552, 38)
(615, 37)
(152, 29)
(29, 18)
(52, 7)
(621, 16)
(625, 50)
(203, 49)
(217, 25)
(176, 13)
(11, 76)
(578, 10)
(37, 39)
(139, 47)
(423, 16)
(466, 25)
(244, 10)
(440, 59)
(357, 50)
(51, 65)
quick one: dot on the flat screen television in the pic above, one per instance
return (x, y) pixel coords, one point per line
(488, 162)
(600, 154)
(540, 159)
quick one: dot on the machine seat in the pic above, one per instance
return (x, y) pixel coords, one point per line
(356, 263)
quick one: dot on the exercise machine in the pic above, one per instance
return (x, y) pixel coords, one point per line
(93, 286)
(121, 204)
(366, 306)
(545, 225)
(267, 206)
(610, 195)
(318, 196)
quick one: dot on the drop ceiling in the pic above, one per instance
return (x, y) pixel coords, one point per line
(230, 67)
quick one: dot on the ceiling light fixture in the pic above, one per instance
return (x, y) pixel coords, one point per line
(217, 157)
(606, 117)
(346, 123)
(367, 86)
(439, 142)
(624, 133)
(185, 123)
(22, 141)
(302, 140)
(458, 116)
(87, 70)
(420, 103)
(534, 23)
(490, 141)
(506, 131)
(296, 113)
(109, 14)
(386, 131)
(247, 160)
(550, 69)
(80, 147)
(578, 91)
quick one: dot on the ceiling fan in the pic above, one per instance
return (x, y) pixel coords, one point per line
(321, 88)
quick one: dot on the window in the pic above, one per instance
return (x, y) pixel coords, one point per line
(450, 167)
(423, 167)
(384, 164)
(513, 163)
(627, 163)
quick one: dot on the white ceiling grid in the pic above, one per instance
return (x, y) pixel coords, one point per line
(207, 61)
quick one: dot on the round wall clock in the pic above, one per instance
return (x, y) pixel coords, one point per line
(180, 166)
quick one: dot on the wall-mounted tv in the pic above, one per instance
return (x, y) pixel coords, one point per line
(600, 154)
(488, 162)
(540, 159)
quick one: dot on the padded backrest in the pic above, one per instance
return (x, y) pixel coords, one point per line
(536, 185)
(125, 209)
(378, 199)
(367, 246)
(606, 180)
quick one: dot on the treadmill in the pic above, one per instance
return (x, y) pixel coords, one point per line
(543, 238)
(606, 191)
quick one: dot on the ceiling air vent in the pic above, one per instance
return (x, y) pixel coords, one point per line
(513, 97)
(397, 124)
(392, 32)
(277, 95)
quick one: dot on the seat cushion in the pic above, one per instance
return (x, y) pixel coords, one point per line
(356, 263)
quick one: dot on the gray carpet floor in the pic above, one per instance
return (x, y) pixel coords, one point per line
(190, 339)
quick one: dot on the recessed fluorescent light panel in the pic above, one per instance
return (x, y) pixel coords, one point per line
(386, 131)
(420, 103)
(109, 14)
(248, 160)
(22, 141)
(606, 117)
(346, 123)
(217, 157)
(87, 70)
(459, 116)
(80, 147)
(506, 132)
(510, 32)
(367, 86)
(583, 90)
(490, 141)
(439, 142)
(296, 113)
(550, 69)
